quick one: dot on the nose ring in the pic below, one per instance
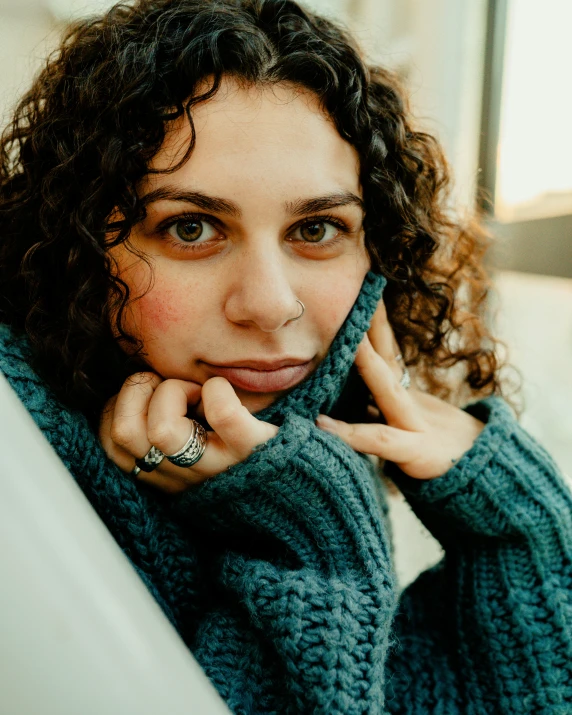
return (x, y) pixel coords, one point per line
(301, 313)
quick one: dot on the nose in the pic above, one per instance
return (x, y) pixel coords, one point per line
(261, 292)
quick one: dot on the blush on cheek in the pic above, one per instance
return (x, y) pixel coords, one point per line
(160, 310)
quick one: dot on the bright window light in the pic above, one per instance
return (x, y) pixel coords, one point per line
(534, 163)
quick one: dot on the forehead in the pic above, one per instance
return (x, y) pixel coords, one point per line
(277, 134)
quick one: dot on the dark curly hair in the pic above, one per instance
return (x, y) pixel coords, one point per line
(83, 137)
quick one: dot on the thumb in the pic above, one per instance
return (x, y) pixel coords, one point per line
(229, 418)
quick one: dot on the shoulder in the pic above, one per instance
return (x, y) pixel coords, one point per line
(16, 365)
(63, 427)
(14, 353)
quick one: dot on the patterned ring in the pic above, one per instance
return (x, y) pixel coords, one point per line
(193, 449)
(150, 461)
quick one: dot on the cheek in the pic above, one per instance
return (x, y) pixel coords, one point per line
(164, 308)
(333, 301)
(161, 310)
(333, 310)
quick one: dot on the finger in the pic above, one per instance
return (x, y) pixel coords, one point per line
(164, 482)
(235, 431)
(373, 413)
(383, 441)
(169, 429)
(230, 419)
(168, 426)
(395, 402)
(120, 456)
(381, 333)
(128, 429)
(383, 339)
(125, 461)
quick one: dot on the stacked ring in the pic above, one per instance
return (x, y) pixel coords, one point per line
(150, 461)
(193, 449)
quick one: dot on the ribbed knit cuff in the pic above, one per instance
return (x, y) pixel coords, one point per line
(305, 489)
(505, 486)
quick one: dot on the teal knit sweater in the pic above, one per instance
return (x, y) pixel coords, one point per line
(278, 572)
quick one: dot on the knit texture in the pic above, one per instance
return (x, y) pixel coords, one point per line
(278, 572)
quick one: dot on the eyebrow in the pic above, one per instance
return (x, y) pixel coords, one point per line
(224, 206)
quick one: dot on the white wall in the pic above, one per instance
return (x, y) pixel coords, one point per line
(438, 45)
(447, 77)
(26, 37)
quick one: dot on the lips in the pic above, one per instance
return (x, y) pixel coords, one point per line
(257, 379)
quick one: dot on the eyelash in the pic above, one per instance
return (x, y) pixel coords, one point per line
(164, 227)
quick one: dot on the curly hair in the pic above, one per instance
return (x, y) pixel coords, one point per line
(83, 137)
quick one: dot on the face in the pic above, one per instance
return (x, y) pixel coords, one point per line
(266, 211)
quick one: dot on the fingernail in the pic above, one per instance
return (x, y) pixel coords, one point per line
(326, 423)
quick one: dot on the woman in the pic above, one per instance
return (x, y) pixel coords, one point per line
(201, 205)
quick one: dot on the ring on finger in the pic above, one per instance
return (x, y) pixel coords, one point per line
(193, 449)
(405, 380)
(149, 462)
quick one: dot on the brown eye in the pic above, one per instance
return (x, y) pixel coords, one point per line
(319, 232)
(313, 232)
(190, 230)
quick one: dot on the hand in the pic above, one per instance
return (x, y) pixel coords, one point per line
(424, 435)
(151, 411)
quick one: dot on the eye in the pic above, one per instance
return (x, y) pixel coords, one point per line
(190, 230)
(317, 231)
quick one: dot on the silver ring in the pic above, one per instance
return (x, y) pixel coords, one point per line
(405, 376)
(301, 314)
(135, 471)
(150, 461)
(193, 449)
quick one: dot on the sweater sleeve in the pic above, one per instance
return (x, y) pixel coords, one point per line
(489, 629)
(305, 595)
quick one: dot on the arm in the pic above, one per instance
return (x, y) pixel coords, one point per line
(494, 618)
(489, 630)
(304, 576)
